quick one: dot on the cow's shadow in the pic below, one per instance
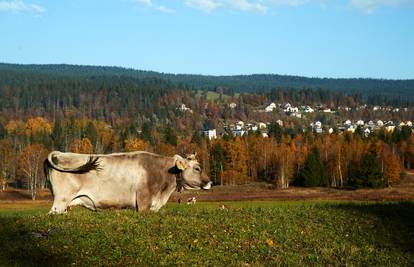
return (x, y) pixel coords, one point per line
(21, 246)
(395, 221)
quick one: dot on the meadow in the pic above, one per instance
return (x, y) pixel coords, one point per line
(247, 233)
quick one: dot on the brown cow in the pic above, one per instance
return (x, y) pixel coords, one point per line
(139, 180)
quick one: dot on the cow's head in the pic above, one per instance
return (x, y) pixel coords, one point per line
(193, 176)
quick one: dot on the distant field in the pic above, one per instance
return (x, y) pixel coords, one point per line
(253, 233)
(215, 96)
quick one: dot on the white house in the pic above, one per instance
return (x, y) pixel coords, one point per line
(351, 129)
(271, 107)
(288, 108)
(389, 128)
(184, 108)
(296, 114)
(347, 123)
(409, 124)
(308, 109)
(380, 123)
(210, 134)
(367, 132)
(239, 125)
(280, 123)
(317, 126)
(360, 123)
(238, 132)
(262, 125)
(232, 105)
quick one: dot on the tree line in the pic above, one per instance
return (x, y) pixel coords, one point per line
(374, 91)
(284, 158)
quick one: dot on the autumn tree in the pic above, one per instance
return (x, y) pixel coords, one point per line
(83, 146)
(7, 163)
(31, 167)
(136, 144)
(236, 162)
(392, 169)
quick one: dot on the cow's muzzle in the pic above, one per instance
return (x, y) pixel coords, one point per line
(207, 186)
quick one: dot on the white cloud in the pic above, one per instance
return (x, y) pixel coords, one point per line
(204, 5)
(289, 2)
(263, 6)
(20, 6)
(165, 9)
(151, 4)
(369, 6)
(241, 5)
(248, 6)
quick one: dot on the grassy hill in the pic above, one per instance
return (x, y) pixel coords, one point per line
(315, 233)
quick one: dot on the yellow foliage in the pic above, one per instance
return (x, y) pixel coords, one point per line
(15, 127)
(135, 144)
(38, 125)
(83, 146)
(392, 169)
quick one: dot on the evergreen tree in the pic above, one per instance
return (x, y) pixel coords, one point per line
(313, 172)
(2, 131)
(217, 161)
(276, 131)
(146, 132)
(57, 135)
(359, 131)
(196, 138)
(170, 136)
(92, 133)
(405, 133)
(368, 172)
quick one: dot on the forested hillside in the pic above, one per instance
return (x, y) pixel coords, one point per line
(375, 91)
(104, 110)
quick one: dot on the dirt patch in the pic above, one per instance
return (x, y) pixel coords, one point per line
(23, 195)
(261, 191)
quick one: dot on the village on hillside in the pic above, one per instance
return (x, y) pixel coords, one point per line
(287, 111)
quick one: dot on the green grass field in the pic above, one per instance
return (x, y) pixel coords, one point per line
(215, 96)
(297, 233)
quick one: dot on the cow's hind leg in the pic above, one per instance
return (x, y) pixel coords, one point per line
(84, 201)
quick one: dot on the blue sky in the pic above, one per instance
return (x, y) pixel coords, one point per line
(316, 38)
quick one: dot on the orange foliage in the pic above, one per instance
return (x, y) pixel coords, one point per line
(83, 146)
(38, 125)
(135, 144)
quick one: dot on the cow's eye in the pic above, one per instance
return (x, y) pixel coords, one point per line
(197, 169)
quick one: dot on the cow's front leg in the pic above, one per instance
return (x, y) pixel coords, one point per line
(60, 206)
(143, 200)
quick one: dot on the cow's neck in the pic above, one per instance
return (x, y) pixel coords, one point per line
(179, 181)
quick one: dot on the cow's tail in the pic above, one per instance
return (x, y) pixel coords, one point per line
(91, 164)
(47, 171)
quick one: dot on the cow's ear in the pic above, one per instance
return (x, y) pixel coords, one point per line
(181, 164)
